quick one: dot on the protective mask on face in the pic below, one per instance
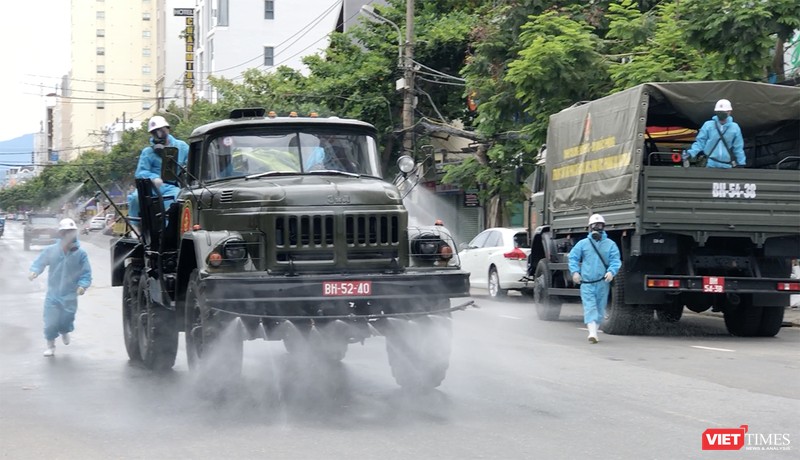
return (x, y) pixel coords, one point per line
(69, 237)
(722, 116)
(597, 231)
(160, 137)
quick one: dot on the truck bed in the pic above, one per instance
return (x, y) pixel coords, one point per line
(721, 201)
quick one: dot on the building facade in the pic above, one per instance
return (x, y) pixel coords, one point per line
(114, 69)
(231, 37)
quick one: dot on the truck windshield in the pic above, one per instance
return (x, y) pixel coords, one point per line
(42, 221)
(291, 152)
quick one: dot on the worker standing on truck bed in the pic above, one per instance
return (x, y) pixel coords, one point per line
(594, 262)
(720, 139)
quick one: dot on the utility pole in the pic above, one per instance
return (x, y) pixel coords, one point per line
(123, 123)
(408, 76)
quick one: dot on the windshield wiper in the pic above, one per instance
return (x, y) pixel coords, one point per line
(270, 173)
(333, 171)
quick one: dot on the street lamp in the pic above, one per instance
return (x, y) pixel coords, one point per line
(370, 11)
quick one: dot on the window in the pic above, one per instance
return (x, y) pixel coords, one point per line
(479, 240)
(101, 32)
(146, 52)
(101, 104)
(145, 34)
(101, 15)
(145, 88)
(269, 9)
(146, 105)
(145, 16)
(146, 69)
(222, 13)
(101, 86)
(101, 51)
(495, 240)
(269, 59)
(101, 69)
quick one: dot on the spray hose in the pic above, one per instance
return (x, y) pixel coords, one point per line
(462, 306)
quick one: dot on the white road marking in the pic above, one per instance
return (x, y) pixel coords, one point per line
(509, 316)
(712, 348)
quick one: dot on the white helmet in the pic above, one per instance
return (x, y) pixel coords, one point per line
(596, 219)
(67, 224)
(723, 105)
(156, 122)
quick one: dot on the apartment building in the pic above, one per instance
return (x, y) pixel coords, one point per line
(114, 69)
(233, 36)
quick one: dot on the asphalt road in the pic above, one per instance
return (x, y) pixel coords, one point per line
(517, 388)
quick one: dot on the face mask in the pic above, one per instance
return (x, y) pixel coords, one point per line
(597, 230)
(722, 116)
(69, 236)
(160, 136)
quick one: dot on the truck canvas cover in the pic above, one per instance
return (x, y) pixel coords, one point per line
(595, 150)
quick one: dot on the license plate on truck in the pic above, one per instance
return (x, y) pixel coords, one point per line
(346, 288)
(714, 284)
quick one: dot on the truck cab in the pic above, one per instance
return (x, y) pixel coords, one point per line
(285, 229)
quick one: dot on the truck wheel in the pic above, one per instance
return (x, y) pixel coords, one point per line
(495, 290)
(419, 351)
(621, 318)
(771, 321)
(548, 308)
(158, 332)
(211, 341)
(743, 320)
(130, 311)
(670, 313)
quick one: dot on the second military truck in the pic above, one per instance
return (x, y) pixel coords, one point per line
(284, 229)
(693, 237)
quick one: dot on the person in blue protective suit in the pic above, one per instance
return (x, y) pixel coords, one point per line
(68, 277)
(594, 262)
(149, 166)
(720, 139)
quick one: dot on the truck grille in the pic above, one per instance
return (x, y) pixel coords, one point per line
(363, 230)
(305, 231)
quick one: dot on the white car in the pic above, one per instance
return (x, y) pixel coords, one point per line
(497, 259)
(98, 222)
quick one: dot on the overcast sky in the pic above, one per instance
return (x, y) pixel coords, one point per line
(34, 40)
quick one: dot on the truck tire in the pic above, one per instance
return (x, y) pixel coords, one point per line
(419, 351)
(212, 342)
(548, 308)
(130, 311)
(493, 285)
(670, 313)
(158, 332)
(771, 321)
(621, 318)
(743, 320)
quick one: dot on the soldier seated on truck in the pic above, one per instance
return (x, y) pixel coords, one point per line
(330, 154)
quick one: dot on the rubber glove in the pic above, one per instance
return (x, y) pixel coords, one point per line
(32, 276)
(576, 278)
(81, 290)
(609, 277)
(157, 182)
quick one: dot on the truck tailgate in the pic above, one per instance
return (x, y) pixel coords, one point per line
(721, 200)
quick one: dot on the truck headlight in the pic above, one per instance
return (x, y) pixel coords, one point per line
(429, 247)
(234, 251)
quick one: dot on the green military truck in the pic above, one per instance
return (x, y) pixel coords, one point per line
(693, 237)
(285, 229)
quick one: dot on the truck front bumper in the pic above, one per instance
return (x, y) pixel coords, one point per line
(258, 293)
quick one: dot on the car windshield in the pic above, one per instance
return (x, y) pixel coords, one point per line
(296, 152)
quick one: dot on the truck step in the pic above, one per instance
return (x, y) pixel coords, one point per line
(559, 266)
(564, 292)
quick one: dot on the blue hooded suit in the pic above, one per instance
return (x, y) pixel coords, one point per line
(586, 261)
(69, 270)
(149, 167)
(709, 142)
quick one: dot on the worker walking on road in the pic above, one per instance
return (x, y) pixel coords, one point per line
(68, 277)
(594, 262)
